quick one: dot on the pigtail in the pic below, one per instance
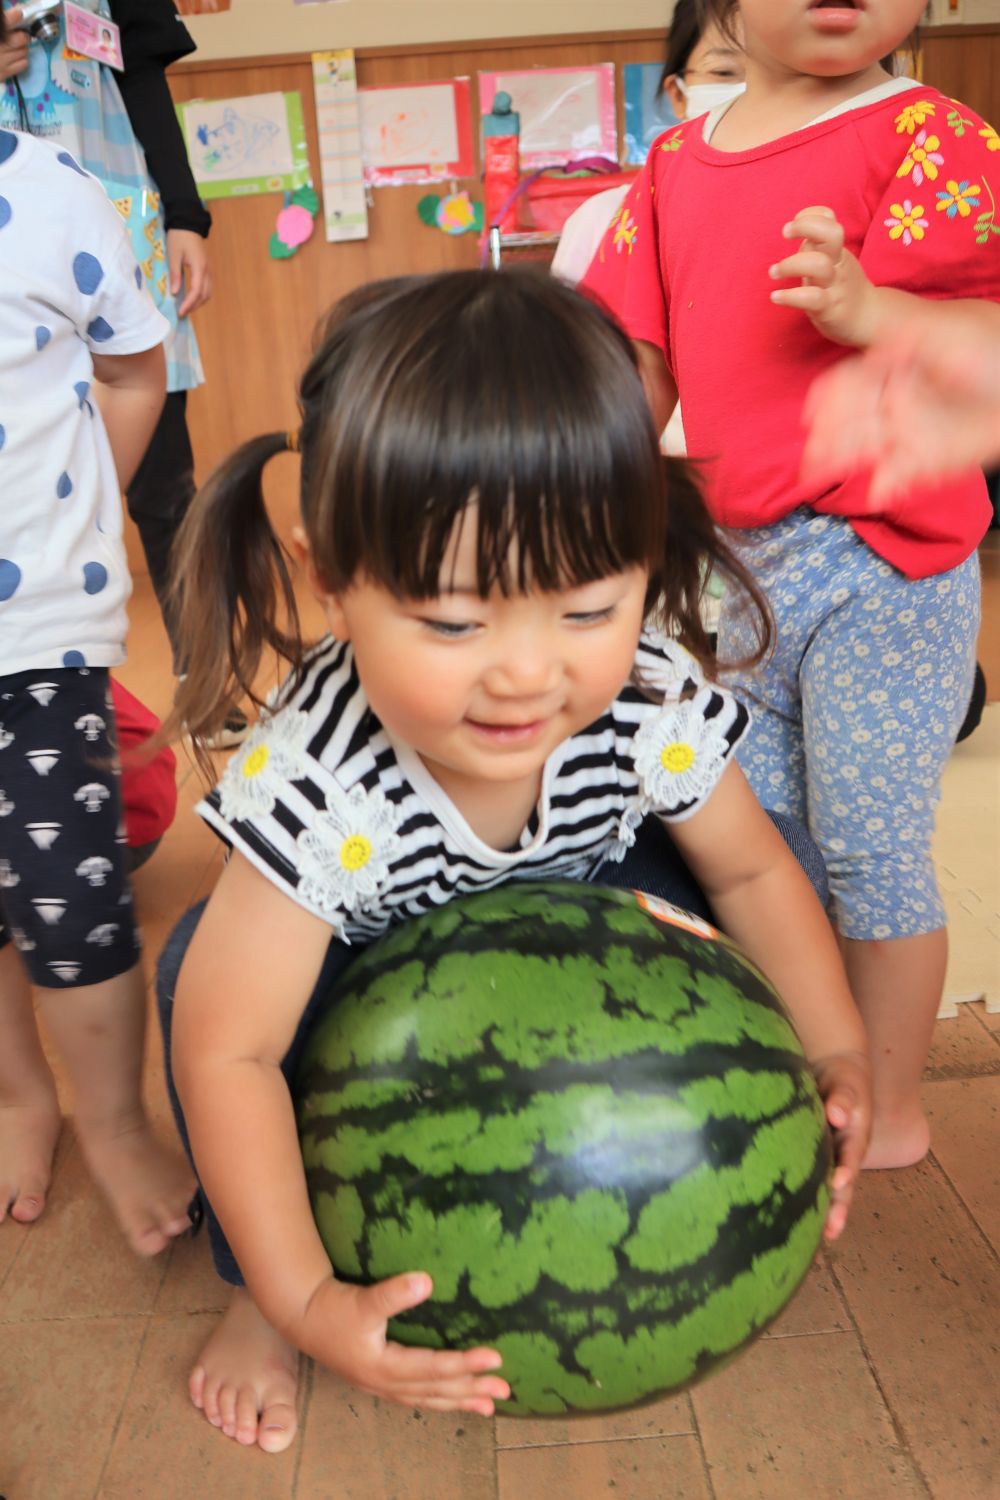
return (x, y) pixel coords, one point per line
(695, 547)
(231, 594)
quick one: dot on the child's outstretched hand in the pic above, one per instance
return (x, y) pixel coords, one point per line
(845, 1086)
(919, 404)
(344, 1328)
(834, 292)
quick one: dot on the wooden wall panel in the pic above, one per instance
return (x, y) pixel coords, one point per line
(255, 333)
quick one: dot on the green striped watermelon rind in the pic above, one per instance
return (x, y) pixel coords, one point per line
(590, 1294)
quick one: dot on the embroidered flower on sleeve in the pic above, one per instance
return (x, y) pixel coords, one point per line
(991, 138)
(625, 231)
(907, 222)
(922, 160)
(344, 856)
(273, 754)
(960, 198)
(912, 116)
(679, 756)
(673, 142)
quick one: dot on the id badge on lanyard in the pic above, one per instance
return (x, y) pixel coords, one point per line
(91, 35)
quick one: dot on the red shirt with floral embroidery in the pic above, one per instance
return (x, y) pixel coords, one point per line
(915, 181)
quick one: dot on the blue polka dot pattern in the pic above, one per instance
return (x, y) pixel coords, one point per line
(10, 577)
(3, 435)
(138, 278)
(42, 336)
(82, 388)
(4, 213)
(8, 144)
(95, 577)
(70, 161)
(100, 330)
(64, 486)
(74, 659)
(88, 273)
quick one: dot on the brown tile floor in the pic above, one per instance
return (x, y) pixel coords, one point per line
(882, 1378)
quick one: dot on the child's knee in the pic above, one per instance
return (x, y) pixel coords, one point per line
(891, 893)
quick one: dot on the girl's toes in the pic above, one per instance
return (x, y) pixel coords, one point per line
(196, 1386)
(246, 1417)
(276, 1427)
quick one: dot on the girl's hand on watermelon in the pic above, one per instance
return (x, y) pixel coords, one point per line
(345, 1330)
(845, 1086)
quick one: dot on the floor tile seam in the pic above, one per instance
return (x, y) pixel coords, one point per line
(699, 1437)
(899, 1433)
(116, 1426)
(307, 1386)
(979, 1016)
(806, 1333)
(625, 1437)
(993, 1251)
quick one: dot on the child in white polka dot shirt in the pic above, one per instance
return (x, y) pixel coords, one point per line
(82, 381)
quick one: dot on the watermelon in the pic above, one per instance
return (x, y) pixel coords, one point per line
(588, 1117)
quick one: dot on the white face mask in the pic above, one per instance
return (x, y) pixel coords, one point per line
(701, 97)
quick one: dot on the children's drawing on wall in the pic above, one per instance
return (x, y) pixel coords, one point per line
(417, 132)
(566, 113)
(255, 144)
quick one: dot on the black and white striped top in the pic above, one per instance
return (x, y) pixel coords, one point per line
(353, 827)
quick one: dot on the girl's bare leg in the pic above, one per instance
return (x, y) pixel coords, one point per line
(99, 1031)
(29, 1106)
(898, 984)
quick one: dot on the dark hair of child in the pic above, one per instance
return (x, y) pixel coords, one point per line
(424, 395)
(686, 27)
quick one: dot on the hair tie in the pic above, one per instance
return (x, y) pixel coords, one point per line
(292, 441)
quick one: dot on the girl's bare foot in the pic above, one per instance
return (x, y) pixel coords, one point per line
(29, 1130)
(901, 1141)
(148, 1185)
(246, 1379)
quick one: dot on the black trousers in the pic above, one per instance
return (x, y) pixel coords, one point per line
(159, 496)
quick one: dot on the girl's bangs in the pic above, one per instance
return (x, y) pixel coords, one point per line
(523, 407)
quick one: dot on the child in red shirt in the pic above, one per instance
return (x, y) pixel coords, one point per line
(877, 602)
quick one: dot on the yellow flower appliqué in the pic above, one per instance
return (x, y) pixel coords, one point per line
(677, 756)
(913, 115)
(991, 138)
(271, 756)
(255, 763)
(344, 854)
(355, 852)
(922, 159)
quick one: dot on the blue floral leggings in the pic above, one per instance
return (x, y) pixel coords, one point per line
(856, 711)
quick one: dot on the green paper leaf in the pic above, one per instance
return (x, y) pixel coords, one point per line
(427, 209)
(279, 250)
(308, 198)
(477, 217)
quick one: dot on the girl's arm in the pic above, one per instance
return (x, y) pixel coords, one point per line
(130, 394)
(763, 900)
(251, 967)
(658, 383)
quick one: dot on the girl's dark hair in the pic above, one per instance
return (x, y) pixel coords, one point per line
(425, 394)
(686, 27)
(723, 13)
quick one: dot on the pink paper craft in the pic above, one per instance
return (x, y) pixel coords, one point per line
(565, 112)
(435, 117)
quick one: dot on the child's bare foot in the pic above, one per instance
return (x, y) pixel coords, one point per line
(899, 1141)
(246, 1379)
(148, 1185)
(28, 1134)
